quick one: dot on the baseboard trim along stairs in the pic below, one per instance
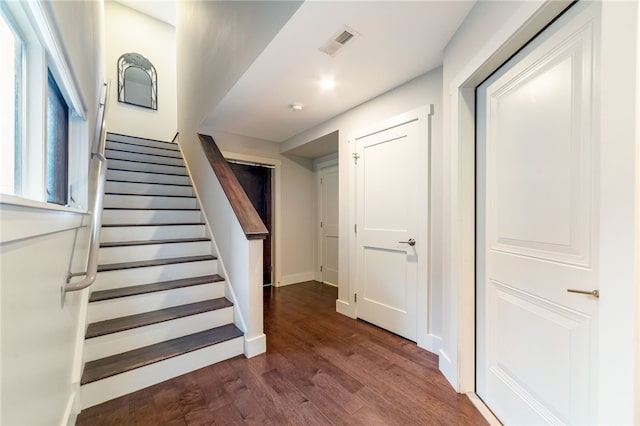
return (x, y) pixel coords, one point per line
(157, 308)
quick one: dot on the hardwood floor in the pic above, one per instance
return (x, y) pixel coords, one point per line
(321, 368)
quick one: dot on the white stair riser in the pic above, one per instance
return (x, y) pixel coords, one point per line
(145, 167)
(131, 305)
(143, 149)
(150, 216)
(122, 384)
(121, 254)
(113, 154)
(147, 189)
(141, 233)
(145, 177)
(148, 202)
(153, 274)
(143, 142)
(103, 346)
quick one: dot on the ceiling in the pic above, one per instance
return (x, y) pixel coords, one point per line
(162, 10)
(397, 42)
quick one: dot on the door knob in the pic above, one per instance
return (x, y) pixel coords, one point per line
(594, 293)
(411, 242)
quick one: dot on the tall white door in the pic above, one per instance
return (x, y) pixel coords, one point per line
(391, 194)
(329, 224)
(537, 228)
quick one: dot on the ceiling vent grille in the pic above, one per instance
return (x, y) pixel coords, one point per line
(337, 42)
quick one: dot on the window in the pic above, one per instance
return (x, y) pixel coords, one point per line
(44, 135)
(57, 144)
(10, 105)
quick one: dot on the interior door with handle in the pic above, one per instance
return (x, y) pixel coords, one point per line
(391, 183)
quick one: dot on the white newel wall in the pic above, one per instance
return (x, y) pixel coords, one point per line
(239, 259)
(130, 31)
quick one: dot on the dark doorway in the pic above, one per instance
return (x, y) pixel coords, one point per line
(256, 181)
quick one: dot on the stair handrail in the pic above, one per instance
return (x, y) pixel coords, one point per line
(96, 223)
(251, 223)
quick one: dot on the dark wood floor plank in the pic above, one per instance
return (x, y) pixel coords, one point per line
(320, 368)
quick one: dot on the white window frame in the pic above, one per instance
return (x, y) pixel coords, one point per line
(42, 51)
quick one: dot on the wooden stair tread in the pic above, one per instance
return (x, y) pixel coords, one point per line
(144, 162)
(150, 242)
(166, 148)
(149, 183)
(149, 195)
(111, 134)
(128, 322)
(116, 225)
(118, 169)
(127, 361)
(154, 262)
(151, 208)
(135, 290)
(144, 153)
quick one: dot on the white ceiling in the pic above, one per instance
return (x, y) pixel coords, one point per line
(398, 41)
(163, 10)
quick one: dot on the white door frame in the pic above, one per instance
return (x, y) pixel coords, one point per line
(318, 168)
(422, 114)
(619, 169)
(276, 252)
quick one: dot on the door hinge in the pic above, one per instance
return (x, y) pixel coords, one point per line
(355, 156)
(320, 181)
(320, 224)
(355, 297)
(355, 228)
(320, 268)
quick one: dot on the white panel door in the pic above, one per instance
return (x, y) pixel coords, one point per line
(391, 170)
(329, 223)
(537, 228)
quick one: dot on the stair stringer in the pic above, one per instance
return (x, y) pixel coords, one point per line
(255, 341)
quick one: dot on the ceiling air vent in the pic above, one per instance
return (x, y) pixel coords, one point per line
(332, 46)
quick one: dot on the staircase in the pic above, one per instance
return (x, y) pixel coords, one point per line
(157, 308)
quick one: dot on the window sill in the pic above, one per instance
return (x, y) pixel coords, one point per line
(14, 200)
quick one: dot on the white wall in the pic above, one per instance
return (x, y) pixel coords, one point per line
(424, 90)
(298, 195)
(40, 375)
(127, 31)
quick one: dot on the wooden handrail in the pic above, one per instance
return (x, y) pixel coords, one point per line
(250, 221)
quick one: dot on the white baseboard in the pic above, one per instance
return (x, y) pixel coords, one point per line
(295, 278)
(328, 283)
(255, 346)
(345, 308)
(484, 410)
(448, 369)
(71, 409)
(430, 342)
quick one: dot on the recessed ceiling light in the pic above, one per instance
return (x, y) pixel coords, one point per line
(297, 107)
(328, 83)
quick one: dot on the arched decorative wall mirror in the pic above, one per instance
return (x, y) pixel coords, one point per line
(137, 81)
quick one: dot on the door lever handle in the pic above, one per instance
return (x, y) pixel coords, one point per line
(411, 242)
(594, 293)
